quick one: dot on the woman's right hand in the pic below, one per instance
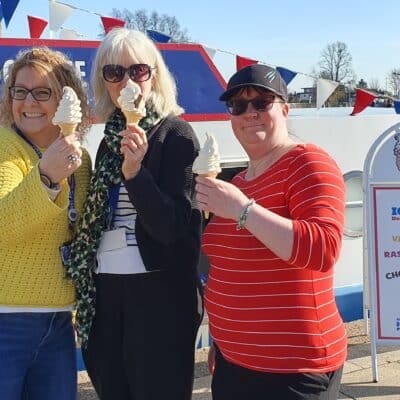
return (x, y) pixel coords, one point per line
(133, 148)
(62, 158)
(211, 359)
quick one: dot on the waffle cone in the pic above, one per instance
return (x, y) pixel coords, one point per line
(133, 117)
(67, 128)
(211, 174)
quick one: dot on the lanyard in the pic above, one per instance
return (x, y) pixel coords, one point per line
(113, 194)
(72, 213)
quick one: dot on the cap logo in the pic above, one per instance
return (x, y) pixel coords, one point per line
(270, 76)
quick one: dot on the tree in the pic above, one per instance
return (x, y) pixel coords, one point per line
(141, 20)
(393, 80)
(362, 84)
(374, 85)
(336, 63)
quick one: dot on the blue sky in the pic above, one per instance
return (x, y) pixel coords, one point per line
(290, 34)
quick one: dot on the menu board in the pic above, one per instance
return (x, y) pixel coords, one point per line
(386, 214)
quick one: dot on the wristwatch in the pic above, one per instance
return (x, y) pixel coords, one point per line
(48, 182)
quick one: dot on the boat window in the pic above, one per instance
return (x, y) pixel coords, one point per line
(354, 204)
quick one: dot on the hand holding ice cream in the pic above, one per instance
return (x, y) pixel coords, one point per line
(207, 163)
(68, 114)
(131, 102)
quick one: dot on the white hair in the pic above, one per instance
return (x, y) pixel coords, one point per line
(120, 42)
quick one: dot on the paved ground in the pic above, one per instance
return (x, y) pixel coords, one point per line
(356, 382)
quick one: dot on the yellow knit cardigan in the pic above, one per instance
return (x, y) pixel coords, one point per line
(33, 227)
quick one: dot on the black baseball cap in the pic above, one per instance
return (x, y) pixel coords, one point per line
(258, 75)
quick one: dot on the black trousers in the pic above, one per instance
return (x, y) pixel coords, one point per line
(233, 382)
(141, 345)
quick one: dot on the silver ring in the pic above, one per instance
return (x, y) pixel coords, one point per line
(72, 158)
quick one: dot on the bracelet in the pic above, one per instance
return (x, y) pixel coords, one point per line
(244, 214)
(48, 182)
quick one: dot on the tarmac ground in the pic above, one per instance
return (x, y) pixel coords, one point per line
(357, 380)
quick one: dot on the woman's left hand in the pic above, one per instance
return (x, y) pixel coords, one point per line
(220, 197)
(133, 147)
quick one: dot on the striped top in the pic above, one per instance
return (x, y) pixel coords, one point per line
(125, 216)
(266, 314)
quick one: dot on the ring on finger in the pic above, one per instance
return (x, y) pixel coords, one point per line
(72, 158)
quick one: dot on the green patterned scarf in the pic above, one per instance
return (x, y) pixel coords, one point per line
(93, 221)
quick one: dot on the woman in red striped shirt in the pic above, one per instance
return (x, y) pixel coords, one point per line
(272, 247)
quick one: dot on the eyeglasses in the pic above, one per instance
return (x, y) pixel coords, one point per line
(38, 93)
(261, 103)
(137, 72)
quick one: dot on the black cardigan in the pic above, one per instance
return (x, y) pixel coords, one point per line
(168, 223)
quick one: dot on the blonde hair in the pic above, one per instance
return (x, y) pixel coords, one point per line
(59, 72)
(125, 42)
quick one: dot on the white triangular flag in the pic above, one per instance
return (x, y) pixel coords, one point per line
(325, 88)
(210, 51)
(58, 14)
(69, 34)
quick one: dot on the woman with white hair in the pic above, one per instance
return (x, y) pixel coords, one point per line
(134, 259)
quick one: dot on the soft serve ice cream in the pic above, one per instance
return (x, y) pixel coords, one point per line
(207, 163)
(130, 101)
(68, 114)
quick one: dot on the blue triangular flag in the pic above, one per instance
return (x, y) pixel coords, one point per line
(8, 7)
(158, 37)
(286, 74)
(396, 104)
(1, 12)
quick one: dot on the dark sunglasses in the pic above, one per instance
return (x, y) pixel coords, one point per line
(261, 103)
(137, 72)
(38, 93)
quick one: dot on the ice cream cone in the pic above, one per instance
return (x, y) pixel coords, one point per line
(67, 128)
(68, 114)
(211, 174)
(133, 117)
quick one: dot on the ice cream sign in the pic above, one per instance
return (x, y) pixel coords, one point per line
(382, 239)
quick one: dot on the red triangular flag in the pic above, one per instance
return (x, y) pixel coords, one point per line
(363, 100)
(242, 62)
(109, 23)
(36, 26)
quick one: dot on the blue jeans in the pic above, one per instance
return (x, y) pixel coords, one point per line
(37, 356)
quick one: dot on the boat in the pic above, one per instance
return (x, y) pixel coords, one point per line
(199, 81)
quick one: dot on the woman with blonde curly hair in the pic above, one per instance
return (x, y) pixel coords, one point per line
(44, 177)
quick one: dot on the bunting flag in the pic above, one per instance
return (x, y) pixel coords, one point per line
(1, 12)
(7, 9)
(36, 26)
(210, 52)
(242, 62)
(396, 104)
(69, 34)
(286, 74)
(324, 89)
(363, 100)
(110, 23)
(158, 37)
(58, 13)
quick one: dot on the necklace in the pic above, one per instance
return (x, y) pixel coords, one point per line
(254, 167)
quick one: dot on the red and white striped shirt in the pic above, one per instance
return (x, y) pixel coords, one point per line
(264, 313)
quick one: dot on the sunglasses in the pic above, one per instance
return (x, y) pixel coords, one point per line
(137, 72)
(261, 103)
(38, 93)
